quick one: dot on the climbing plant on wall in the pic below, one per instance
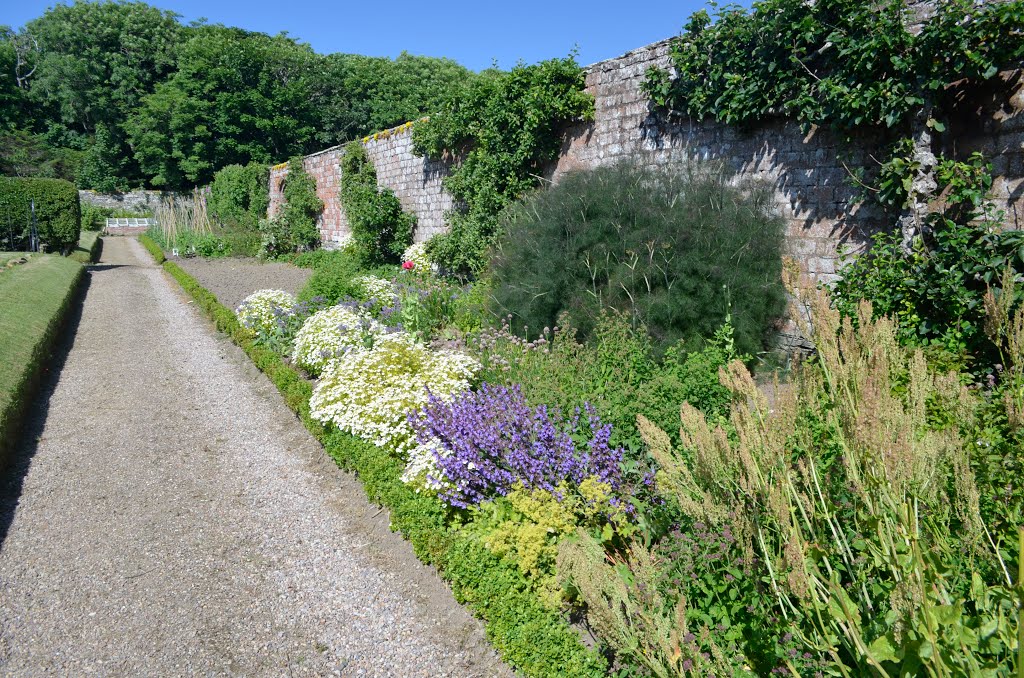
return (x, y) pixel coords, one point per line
(380, 229)
(503, 128)
(840, 64)
(850, 66)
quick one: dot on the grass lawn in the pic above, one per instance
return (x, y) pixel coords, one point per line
(86, 250)
(7, 256)
(34, 298)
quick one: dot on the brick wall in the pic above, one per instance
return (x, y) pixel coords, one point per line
(415, 180)
(807, 170)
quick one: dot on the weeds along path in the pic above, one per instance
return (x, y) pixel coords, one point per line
(170, 516)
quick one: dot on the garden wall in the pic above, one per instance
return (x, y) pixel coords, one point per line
(135, 201)
(808, 170)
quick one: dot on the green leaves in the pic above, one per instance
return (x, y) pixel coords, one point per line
(504, 128)
(840, 64)
(380, 229)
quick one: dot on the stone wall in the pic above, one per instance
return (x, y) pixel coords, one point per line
(132, 201)
(807, 170)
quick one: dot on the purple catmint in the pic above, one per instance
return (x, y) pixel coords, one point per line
(491, 439)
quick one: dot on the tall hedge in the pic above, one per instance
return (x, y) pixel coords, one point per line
(58, 213)
(240, 195)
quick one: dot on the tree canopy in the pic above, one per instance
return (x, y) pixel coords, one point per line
(119, 94)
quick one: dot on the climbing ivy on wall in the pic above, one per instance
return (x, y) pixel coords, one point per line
(380, 229)
(504, 128)
(840, 64)
(294, 226)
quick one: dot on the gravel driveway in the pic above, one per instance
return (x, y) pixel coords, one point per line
(174, 518)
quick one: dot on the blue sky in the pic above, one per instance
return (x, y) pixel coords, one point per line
(473, 33)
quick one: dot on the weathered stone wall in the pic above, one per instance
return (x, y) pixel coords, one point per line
(133, 201)
(808, 171)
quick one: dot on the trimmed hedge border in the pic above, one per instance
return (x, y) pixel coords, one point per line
(12, 416)
(531, 638)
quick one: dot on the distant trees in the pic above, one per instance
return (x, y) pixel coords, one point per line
(120, 94)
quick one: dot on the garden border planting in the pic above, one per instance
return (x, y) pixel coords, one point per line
(49, 288)
(532, 639)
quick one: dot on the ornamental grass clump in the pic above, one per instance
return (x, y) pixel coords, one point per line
(260, 310)
(332, 332)
(369, 392)
(487, 442)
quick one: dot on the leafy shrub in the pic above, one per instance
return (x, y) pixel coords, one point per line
(259, 312)
(525, 527)
(94, 218)
(336, 275)
(422, 305)
(331, 333)
(240, 195)
(294, 227)
(672, 250)
(57, 211)
(380, 229)
(935, 289)
(505, 128)
(485, 442)
(369, 392)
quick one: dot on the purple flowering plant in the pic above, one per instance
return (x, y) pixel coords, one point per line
(488, 441)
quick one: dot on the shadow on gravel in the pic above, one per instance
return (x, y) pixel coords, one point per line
(106, 267)
(12, 478)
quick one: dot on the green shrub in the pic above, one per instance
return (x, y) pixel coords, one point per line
(935, 288)
(380, 229)
(94, 218)
(294, 227)
(505, 128)
(672, 250)
(333, 277)
(58, 214)
(240, 196)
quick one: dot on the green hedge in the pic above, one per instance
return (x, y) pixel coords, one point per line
(154, 249)
(533, 639)
(37, 296)
(58, 214)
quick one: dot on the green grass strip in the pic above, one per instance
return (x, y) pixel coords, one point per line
(90, 244)
(533, 639)
(35, 298)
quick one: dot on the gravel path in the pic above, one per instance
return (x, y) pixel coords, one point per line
(174, 518)
(232, 279)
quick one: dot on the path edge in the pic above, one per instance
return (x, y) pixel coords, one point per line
(531, 638)
(13, 417)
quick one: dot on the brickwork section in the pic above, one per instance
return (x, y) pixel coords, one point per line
(415, 180)
(808, 171)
